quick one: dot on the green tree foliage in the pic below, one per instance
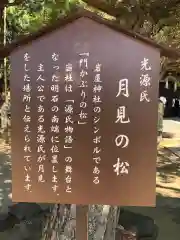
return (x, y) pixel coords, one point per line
(30, 16)
(156, 19)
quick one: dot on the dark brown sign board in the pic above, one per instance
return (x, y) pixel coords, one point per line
(84, 117)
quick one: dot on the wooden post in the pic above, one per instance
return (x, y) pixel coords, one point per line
(82, 222)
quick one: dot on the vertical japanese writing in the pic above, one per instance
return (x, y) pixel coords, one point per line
(54, 128)
(97, 88)
(145, 80)
(83, 65)
(27, 88)
(41, 139)
(121, 140)
(69, 129)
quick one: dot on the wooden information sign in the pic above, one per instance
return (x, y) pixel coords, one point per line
(84, 117)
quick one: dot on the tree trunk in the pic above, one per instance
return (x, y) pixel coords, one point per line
(61, 222)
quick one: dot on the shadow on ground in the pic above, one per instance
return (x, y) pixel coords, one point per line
(176, 119)
(168, 165)
(176, 190)
(167, 202)
(167, 220)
